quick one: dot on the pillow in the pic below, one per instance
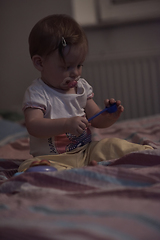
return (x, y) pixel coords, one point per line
(11, 131)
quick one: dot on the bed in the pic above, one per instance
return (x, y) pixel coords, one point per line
(115, 200)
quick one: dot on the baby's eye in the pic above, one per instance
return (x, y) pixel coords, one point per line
(80, 65)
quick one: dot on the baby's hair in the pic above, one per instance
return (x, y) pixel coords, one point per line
(55, 32)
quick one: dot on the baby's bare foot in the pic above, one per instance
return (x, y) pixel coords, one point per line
(41, 162)
(93, 163)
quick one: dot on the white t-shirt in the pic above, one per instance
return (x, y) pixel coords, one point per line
(54, 105)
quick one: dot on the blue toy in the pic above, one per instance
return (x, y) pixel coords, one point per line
(111, 109)
(41, 168)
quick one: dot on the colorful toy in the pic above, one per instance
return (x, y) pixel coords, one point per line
(41, 168)
(111, 109)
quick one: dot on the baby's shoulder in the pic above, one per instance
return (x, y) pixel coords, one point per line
(83, 82)
(86, 86)
(36, 86)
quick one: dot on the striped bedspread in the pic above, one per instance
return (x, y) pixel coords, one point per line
(115, 200)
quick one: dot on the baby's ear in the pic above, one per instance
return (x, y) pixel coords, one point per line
(38, 62)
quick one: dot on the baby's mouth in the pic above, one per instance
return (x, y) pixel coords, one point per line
(69, 82)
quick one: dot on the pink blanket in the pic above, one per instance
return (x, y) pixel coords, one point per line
(117, 199)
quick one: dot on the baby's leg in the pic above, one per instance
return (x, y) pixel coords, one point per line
(69, 160)
(113, 148)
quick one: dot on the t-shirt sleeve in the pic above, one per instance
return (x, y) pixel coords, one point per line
(88, 88)
(34, 98)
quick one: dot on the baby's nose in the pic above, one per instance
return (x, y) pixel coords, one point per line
(74, 72)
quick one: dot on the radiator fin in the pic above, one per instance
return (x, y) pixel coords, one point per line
(135, 80)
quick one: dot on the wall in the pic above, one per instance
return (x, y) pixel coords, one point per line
(17, 17)
(124, 39)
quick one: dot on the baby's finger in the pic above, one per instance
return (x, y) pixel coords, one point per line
(111, 101)
(106, 102)
(118, 102)
(120, 108)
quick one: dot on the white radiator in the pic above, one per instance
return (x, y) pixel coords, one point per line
(135, 80)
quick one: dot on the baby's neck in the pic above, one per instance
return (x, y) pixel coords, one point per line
(69, 91)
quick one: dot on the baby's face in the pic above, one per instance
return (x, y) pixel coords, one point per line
(63, 75)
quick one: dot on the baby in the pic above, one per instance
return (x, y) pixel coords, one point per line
(58, 103)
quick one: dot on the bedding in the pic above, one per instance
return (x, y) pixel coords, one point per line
(117, 199)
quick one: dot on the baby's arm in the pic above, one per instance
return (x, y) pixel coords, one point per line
(105, 119)
(41, 127)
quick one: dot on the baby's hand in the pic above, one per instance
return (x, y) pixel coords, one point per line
(120, 108)
(76, 125)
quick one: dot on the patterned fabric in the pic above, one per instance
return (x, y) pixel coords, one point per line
(68, 142)
(117, 199)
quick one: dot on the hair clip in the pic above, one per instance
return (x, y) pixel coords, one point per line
(64, 44)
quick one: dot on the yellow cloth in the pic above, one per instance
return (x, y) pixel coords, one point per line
(105, 149)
